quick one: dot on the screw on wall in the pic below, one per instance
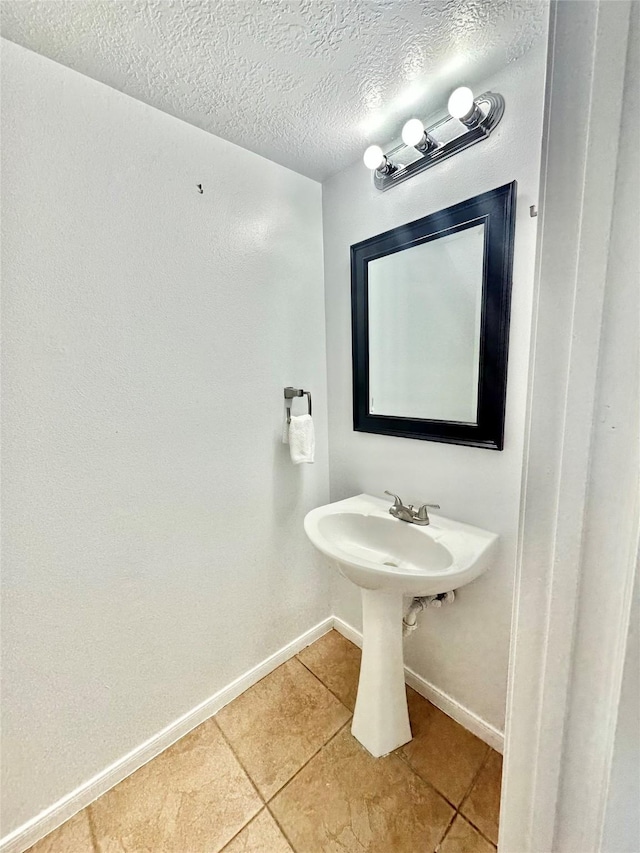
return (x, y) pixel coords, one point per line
(200, 190)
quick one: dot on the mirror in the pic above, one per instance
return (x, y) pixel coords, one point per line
(430, 318)
(430, 311)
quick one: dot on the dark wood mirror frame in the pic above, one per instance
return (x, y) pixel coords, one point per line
(496, 209)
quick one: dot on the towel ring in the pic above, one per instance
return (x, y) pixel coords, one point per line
(290, 393)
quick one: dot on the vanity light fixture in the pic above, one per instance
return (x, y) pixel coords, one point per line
(375, 160)
(469, 120)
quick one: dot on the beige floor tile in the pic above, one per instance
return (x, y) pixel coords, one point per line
(482, 806)
(336, 662)
(463, 838)
(74, 836)
(442, 751)
(344, 800)
(194, 796)
(279, 723)
(262, 835)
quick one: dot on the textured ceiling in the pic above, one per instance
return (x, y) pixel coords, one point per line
(308, 84)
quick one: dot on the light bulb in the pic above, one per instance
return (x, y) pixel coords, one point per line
(374, 157)
(413, 132)
(461, 104)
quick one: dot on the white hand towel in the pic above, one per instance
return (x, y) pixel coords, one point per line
(302, 439)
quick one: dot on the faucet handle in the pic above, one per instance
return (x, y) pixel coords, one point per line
(422, 512)
(397, 502)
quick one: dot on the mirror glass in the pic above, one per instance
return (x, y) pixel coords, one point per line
(425, 311)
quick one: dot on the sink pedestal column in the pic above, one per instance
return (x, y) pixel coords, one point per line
(381, 718)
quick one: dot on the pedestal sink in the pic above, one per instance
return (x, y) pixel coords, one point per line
(388, 558)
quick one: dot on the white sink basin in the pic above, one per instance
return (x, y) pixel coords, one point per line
(389, 558)
(377, 551)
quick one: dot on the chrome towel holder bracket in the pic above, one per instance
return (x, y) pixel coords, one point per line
(290, 393)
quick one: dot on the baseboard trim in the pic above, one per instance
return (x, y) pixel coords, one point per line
(450, 706)
(24, 836)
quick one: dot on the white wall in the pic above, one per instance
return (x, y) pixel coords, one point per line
(152, 526)
(622, 818)
(462, 650)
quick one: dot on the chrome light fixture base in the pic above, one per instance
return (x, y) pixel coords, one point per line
(451, 136)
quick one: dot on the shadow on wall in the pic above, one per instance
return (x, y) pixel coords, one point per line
(287, 482)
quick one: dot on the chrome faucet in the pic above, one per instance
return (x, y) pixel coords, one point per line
(408, 513)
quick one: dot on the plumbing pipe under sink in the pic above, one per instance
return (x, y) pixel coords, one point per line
(410, 621)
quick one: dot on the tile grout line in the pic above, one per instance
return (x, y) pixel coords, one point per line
(237, 758)
(286, 784)
(456, 809)
(244, 770)
(466, 797)
(281, 828)
(326, 686)
(472, 825)
(423, 780)
(475, 777)
(242, 828)
(92, 829)
(311, 757)
(477, 829)
(446, 832)
(308, 761)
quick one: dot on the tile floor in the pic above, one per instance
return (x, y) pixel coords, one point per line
(278, 771)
